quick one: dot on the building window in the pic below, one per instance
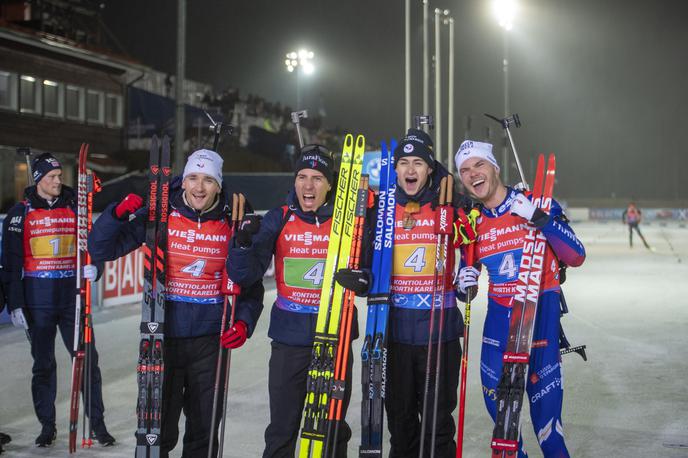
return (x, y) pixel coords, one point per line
(53, 99)
(74, 103)
(113, 110)
(95, 107)
(29, 94)
(8, 90)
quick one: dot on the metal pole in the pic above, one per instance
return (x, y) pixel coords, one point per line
(298, 88)
(438, 87)
(407, 64)
(505, 62)
(179, 86)
(450, 115)
(426, 64)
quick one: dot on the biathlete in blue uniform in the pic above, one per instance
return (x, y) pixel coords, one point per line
(39, 269)
(412, 287)
(297, 234)
(501, 230)
(197, 243)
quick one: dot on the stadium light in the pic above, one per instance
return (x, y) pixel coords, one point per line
(504, 11)
(303, 60)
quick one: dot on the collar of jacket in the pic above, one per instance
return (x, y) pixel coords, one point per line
(502, 208)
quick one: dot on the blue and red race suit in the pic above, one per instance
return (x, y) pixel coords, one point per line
(499, 248)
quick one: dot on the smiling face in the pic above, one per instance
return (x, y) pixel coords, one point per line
(481, 180)
(50, 186)
(311, 188)
(200, 190)
(412, 174)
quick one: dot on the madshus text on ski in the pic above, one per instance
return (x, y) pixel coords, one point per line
(413, 249)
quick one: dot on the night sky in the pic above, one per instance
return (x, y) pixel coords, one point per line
(600, 83)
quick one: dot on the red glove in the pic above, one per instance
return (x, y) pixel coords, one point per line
(235, 336)
(129, 205)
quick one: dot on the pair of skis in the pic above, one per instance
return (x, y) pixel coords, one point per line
(87, 185)
(150, 367)
(374, 350)
(512, 383)
(325, 386)
(224, 356)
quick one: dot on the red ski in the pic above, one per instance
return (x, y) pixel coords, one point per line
(87, 185)
(512, 383)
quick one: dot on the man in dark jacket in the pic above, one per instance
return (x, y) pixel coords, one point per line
(198, 237)
(297, 234)
(412, 288)
(39, 266)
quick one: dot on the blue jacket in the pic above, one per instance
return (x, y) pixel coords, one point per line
(112, 238)
(247, 265)
(31, 291)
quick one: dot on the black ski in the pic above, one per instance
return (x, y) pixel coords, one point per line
(150, 366)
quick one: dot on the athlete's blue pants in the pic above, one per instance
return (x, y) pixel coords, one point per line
(545, 384)
(43, 325)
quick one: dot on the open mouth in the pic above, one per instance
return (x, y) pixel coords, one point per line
(411, 181)
(308, 199)
(478, 184)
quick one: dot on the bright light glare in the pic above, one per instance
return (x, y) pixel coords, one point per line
(301, 58)
(504, 11)
(308, 68)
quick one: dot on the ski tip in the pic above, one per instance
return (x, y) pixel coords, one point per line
(360, 141)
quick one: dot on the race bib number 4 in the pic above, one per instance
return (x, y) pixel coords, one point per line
(414, 260)
(304, 273)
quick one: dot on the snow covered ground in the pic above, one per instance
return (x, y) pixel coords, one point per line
(630, 306)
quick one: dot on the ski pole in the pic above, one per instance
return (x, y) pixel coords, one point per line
(505, 123)
(238, 201)
(439, 283)
(445, 225)
(26, 152)
(470, 294)
(296, 117)
(233, 290)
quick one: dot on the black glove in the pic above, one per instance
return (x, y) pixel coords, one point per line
(356, 280)
(249, 226)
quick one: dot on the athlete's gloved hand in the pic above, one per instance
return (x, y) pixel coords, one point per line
(18, 319)
(235, 336)
(128, 205)
(356, 280)
(248, 227)
(468, 277)
(90, 272)
(523, 207)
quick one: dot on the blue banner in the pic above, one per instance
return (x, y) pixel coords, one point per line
(371, 167)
